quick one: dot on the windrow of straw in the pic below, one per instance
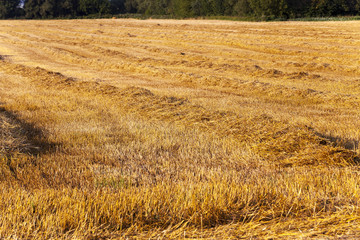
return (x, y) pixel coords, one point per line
(258, 84)
(283, 143)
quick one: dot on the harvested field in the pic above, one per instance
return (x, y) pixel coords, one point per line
(168, 129)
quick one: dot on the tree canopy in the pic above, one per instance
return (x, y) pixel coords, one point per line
(8, 8)
(262, 9)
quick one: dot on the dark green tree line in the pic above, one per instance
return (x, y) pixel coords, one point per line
(256, 8)
(68, 8)
(8, 8)
(261, 9)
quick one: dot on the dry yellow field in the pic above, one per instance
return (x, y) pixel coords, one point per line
(179, 129)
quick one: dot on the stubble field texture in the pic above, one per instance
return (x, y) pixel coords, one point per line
(179, 129)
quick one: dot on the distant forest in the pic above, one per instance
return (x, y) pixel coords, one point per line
(258, 9)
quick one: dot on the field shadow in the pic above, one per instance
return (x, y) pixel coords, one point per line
(347, 143)
(4, 57)
(24, 137)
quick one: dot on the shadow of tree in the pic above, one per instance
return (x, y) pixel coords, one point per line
(4, 57)
(20, 136)
(347, 143)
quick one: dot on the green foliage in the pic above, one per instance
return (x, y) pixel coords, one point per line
(153, 7)
(334, 7)
(68, 8)
(48, 9)
(181, 8)
(131, 6)
(41, 8)
(259, 9)
(268, 9)
(242, 8)
(8, 8)
(88, 7)
(32, 8)
(117, 6)
(201, 8)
